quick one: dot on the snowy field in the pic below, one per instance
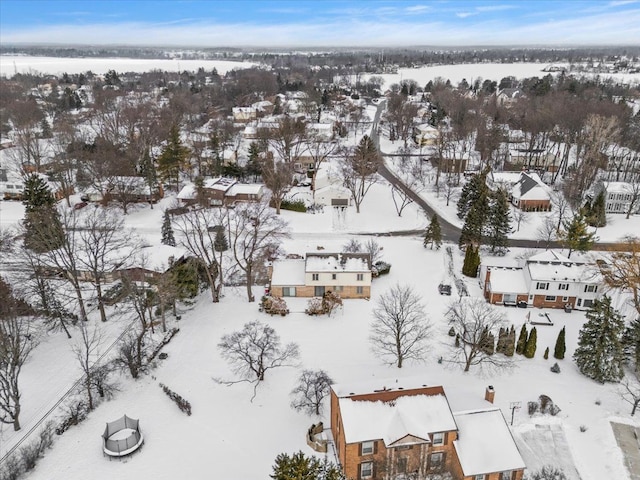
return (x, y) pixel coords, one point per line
(230, 437)
(10, 64)
(484, 71)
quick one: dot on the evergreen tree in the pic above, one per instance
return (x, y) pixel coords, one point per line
(600, 352)
(576, 235)
(522, 340)
(560, 348)
(510, 344)
(43, 228)
(474, 224)
(631, 343)
(597, 216)
(502, 340)
(472, 191)
(531, 345)
(45, 129)
(433, 234)
(254, 168)
(498, 221)
(300, 467)
(167, 231)
(471, 261)
(546, 353)
(220, 243)
(173, 158)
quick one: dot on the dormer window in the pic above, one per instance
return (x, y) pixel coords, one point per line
(366, 448)
(438, 438)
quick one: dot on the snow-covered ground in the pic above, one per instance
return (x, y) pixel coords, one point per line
(483, 71)
(11, 64)
(229, 436)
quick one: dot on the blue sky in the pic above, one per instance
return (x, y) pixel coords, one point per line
(314, 23)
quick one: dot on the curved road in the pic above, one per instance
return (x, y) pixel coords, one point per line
(451, 232)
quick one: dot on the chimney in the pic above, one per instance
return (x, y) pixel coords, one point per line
(489, 394)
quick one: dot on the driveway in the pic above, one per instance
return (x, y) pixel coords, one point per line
(628, 437)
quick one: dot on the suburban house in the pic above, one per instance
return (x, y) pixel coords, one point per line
(545, 280)
(134, 189)
(152, 262)
(347, 274)
(533, 158)
(530, 193)
(507, 96)
(244, 114)
(425, 135)
(222, 191)
(328, 188)
(405, 428)
(619, 197)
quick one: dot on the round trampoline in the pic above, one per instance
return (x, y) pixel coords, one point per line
(122, 437)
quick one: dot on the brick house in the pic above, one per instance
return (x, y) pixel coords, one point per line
(347, 274)
(222, 191)
(530, 193)
(546, 280)
(401, 428)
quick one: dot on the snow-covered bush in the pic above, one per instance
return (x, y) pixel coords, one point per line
(547, 472)
(555, 368)
(182, 404)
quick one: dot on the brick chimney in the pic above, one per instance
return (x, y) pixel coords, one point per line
(489, 394)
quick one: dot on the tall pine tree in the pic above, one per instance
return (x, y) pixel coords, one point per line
(173, 158)
(433, 234)
(600, 352)
(499, 221)
(597, 215)
(531, 345)
(522, 340)
(167, 231)
(560, 348)
(471, 261)
(43, 228)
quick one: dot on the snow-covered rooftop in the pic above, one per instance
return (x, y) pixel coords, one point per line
(157, 258)
(244, 189)
(288, 272)
(330, 262)
(485, 444)
(508, 281)
(573, 273)
(550, 256)
(414, 415)
(618, 187)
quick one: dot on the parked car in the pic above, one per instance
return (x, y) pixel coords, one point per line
(444, 289)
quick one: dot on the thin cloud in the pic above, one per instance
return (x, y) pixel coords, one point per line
(494, 8)
(417, 8)
(611, 27)
(466, 14)
(620, 3)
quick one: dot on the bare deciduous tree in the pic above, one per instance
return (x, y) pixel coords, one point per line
(623, 270)
(198, 235)
(17, 340)
(319, 148)
(630, 391)
(277, 177)
(312, 388)
(547, 232)
(359, 169)
(254, 231)
(256, 349)
(286, 139)
(519, 217)
(88, 351)
(471, 320)
(401, 328)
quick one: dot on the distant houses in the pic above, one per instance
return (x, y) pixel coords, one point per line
(221, 191)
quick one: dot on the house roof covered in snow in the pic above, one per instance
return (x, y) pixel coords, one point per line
(530, 187)
(563, 272)
(158, 258)
(485, 444)
(245, 189)
(331, 262)
(549, 256)
(618, 187)
(412, 415)
(288, 272)
(508, 281)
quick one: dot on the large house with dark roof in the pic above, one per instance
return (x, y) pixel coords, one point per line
(408, 429)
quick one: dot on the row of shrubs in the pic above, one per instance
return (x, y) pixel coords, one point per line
(25, 459)
(182, 404)
(293, 205)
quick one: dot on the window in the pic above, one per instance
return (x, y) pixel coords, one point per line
(550, 298)
(436, 461)
(315, 276)
(366, 470)
(507, 475)
(359, 290)
(360, 277)
(338, 288)
(366, 448)
(333, 276)
(404, 447)
(591, 288)
(479, 477)
(587, 303)
(542, 286)
(438, 438)
(288, 291)
(565, 299)
(564, 286)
